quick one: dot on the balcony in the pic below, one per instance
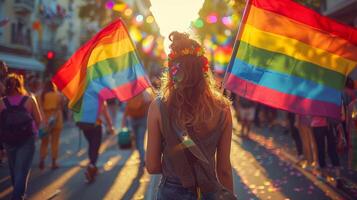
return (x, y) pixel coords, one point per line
(24, 6)
(333, 6)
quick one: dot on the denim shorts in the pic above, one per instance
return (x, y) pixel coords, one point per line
(170, 189)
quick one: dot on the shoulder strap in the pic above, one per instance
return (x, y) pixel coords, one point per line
(164, 116)
(23, 100)
(6, 102)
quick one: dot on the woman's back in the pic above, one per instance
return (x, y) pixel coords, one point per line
(190, 124)
(51, 101)
(176, 162)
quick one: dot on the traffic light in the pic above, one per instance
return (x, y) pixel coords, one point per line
(50, 55)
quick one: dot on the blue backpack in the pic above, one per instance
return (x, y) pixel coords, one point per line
(15, 123)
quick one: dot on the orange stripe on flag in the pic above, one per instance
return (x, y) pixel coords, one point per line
(281, 25)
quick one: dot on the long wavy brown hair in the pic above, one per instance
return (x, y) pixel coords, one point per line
(192, 95)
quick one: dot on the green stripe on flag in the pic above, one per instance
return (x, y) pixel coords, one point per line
(288, 65)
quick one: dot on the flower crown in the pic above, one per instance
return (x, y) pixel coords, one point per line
(174, 67)
(198, 52)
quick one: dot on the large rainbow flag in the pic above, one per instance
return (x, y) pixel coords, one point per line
(292, 58)
(106, 67)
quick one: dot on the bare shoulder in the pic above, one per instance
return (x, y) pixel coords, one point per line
(226, 114)
(30, 102)
(32, 99)
(154, 115)
(154, 108)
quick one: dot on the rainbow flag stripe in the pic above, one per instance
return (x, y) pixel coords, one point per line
(292, 58)
(106, 67)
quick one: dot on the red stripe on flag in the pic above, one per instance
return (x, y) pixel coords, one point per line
(126, 91)
(309, 17)
(281, 100)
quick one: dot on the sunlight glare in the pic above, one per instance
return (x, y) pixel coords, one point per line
(175, 15)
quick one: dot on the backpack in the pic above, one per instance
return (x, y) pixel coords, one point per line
(15, 123)
(137, 107)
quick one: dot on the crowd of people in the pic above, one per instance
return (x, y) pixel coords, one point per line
(313, 135)
(18, 108)
(43, 107)
(189, 127)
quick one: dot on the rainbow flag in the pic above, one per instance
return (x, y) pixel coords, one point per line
(106, 67)
(292, 58)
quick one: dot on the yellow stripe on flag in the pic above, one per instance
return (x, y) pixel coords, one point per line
(112, 50)
(296, 49)
(100, 53)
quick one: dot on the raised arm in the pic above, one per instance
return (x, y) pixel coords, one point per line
(108, 119)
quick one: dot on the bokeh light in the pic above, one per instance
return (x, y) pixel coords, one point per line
(128, 12)
(139, 18)
(148, 44)
(150, 19)
(199, 23)
(228, 32)
(119, 7)
(227, 21)
(110, 4)
(135, 34)
(212, 18)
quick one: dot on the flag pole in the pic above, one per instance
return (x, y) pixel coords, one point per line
(237, 41)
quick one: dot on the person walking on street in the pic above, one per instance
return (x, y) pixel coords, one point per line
(190, 128)
(93, 134)
(51, 103)
(19, 119)
(295, 134)
(323, 133)
(246, 115)
(309, 147)
(136, 114)
(3, 74)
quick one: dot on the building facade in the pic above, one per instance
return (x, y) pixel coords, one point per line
(16, 44)
(29, 29)
(342, 10)
(60, 26)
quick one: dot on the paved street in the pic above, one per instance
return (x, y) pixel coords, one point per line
(260, 172)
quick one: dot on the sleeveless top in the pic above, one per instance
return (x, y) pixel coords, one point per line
(51, 108)
(175, 164)
(51, 101)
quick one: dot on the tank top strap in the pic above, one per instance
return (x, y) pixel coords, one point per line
(164, 117)
(222, 119)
